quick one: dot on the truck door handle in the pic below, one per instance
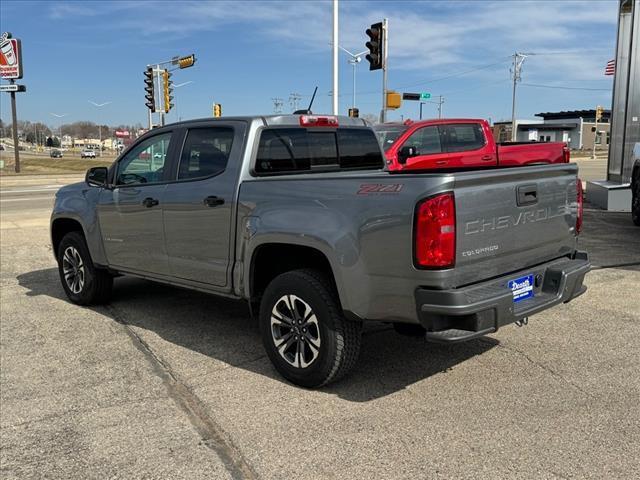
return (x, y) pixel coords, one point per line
(486, 158)
(441, 162)
(213, 201)
(527, 195)
(150, 202)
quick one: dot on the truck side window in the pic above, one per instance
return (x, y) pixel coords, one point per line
(464, 136)
(145, 163)
(292, 150)
(426, 140)
(205, 152)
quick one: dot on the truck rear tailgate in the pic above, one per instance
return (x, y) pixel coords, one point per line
(513, 219)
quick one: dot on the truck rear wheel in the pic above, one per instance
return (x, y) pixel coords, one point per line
(83, 282)
(305, 334)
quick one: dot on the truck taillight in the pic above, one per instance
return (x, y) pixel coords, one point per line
(566, 154)
(580, 211)
(435, 232)
(318, 121)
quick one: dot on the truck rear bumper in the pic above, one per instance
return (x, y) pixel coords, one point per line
(457, 315)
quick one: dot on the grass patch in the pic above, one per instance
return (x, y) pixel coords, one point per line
(30, 163)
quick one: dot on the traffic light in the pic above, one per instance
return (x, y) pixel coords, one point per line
(599, 111)
(167, 86)
(148, 87)
(375, 46)
(186, 62)
(217, 110)
(394, 100)
(354, 112)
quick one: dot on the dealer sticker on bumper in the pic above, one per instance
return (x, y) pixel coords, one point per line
(521, 287)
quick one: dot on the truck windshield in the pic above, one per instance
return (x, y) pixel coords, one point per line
(388, 134)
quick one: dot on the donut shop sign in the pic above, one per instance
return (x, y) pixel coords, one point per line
(10, 57)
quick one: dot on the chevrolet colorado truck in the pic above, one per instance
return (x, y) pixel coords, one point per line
(296, 215)
(459, 143)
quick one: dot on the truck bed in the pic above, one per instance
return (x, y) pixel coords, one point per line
(523, 153)
(365, 223)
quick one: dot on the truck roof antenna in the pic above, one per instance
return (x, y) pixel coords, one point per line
(308, 110)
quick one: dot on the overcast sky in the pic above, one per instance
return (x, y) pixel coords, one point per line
(250, 52)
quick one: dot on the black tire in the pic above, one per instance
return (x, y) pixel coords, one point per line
(635, 197)
(97, 283)
(338, 338)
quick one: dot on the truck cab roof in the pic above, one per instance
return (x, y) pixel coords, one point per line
(280, 120)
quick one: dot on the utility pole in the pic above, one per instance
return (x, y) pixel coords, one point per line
(518, 60)
(440, 102)
(385, 35)
(335, 57)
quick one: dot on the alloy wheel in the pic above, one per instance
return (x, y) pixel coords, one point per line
(295, 331)
(73, 270)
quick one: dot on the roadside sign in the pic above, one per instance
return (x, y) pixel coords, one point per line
(10, 57)
(122, 133)
(416, 96)
(411, 96)
(13, 87)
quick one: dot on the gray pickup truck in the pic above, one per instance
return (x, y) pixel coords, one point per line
(297, 215)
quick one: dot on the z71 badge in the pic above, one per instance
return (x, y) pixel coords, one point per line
(379, 188)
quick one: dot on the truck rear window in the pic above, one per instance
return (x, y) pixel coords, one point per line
(289, 150)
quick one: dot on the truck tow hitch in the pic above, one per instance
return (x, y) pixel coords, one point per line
(523, 322)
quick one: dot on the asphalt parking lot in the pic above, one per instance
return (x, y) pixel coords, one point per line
(168, 383)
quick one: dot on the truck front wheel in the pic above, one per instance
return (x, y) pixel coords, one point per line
(83, 282)
(304, 331)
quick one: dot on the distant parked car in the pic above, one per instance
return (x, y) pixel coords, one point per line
(55, 154)
(88, 153)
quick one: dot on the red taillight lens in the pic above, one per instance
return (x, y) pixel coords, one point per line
(318, 121)
(580, 206)
(435, 232)
(566, 154)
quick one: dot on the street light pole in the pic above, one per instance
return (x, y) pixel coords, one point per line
(99, 105)
(59, 116)
(178, 86)
(354, 60)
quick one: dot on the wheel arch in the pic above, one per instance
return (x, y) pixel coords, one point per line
(270, 259)
(60, 227)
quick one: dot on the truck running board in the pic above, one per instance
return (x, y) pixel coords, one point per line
(454, 335)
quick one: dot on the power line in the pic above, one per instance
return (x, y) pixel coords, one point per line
(465, 72)
(566, 88)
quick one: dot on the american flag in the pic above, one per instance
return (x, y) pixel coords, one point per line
(610, 68)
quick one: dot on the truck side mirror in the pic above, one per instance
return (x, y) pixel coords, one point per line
(405, 153)
(97, 176)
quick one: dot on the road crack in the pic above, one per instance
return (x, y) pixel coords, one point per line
(213, 436)
(546, 368)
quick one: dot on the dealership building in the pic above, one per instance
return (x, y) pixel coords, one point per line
(577, 128)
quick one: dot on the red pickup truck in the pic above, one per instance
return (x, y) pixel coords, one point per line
(458, 143)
